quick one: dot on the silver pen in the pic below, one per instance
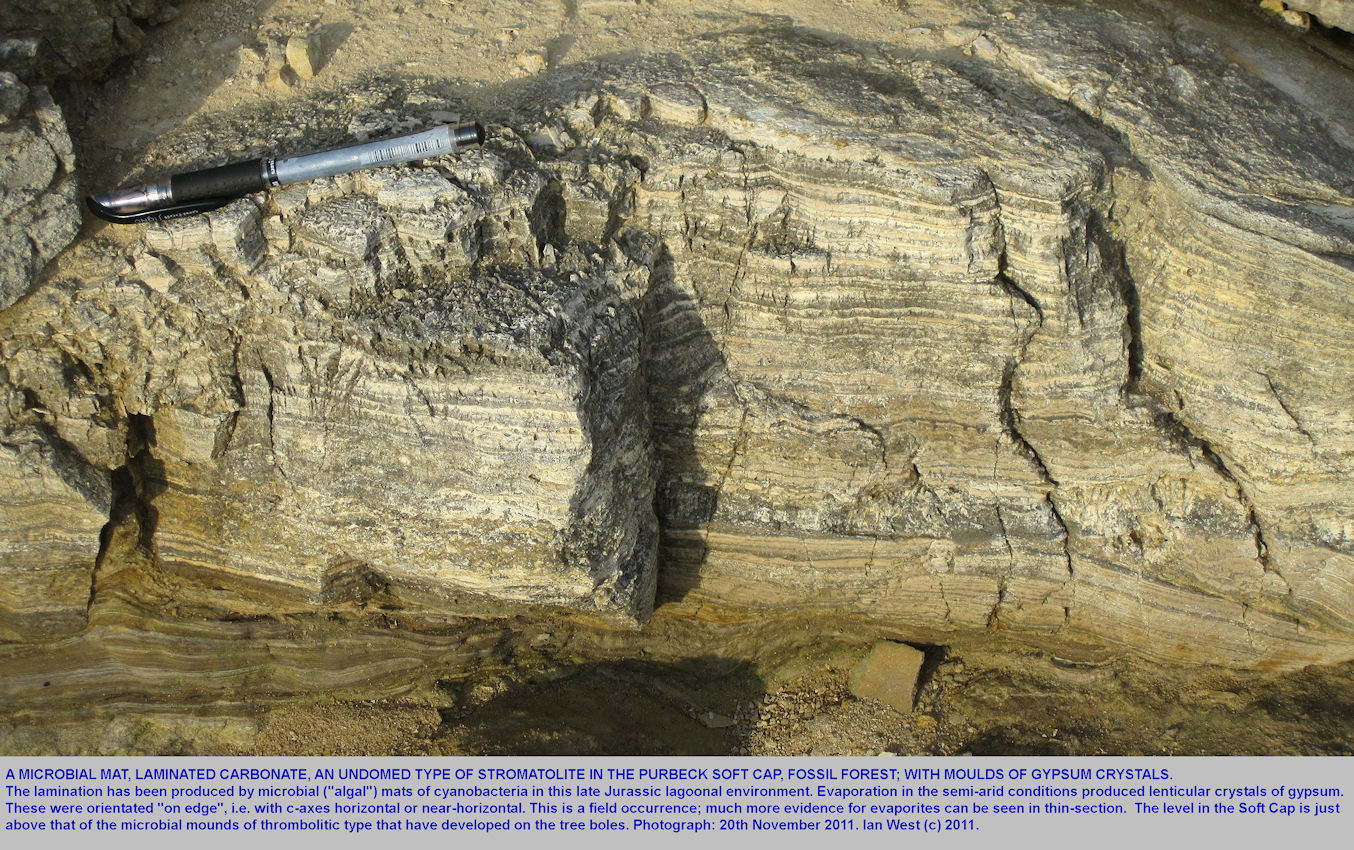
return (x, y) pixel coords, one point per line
(200, 191)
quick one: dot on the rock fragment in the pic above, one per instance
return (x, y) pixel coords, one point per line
(304, 55)
(531, 62)
(889, 674)
(1298, 19)
(281, 79)
(1332, 13)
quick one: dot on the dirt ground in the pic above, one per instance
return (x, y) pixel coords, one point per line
(1004, 704)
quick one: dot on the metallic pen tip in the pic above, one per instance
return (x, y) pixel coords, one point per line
(469, 134)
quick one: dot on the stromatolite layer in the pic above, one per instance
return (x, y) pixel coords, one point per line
(1038, 329)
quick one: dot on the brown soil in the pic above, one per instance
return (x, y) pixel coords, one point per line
(990, 705)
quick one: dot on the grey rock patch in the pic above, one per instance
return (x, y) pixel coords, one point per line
(39, 208)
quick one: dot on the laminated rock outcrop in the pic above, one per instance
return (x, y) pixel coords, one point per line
(1041, 333)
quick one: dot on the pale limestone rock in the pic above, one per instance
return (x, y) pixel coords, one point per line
(805, 409)
(419, 192)
(350, 226)
(1332, 13)
(513, 464)
(281, 79)
(154, 273)
(888, 673)
(55, 508)
(1295, 18)
(530, 62)
(303, 55)
(681, 104)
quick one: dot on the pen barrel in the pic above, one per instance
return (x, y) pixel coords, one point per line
(225, 181)
(426, 143)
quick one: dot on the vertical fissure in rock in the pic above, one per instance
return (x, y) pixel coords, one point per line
(1184, 437)
(134, 486)
(271, 413)
(1003, 276)
(1115, 265)
(1066, 540)
(1297, 423)
(1010, 422)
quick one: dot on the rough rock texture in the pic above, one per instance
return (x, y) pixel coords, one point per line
(56, 502)
(975, 357)
(888, 673)
(347, 406)
(1034, 328)
(1332, 13)
(72, 38)
(39, 213)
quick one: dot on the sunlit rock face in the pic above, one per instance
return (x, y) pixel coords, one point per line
(1331, 13)
(1029, 356)
(1037, 330)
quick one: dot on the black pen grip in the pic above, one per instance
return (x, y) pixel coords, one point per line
(224, 181)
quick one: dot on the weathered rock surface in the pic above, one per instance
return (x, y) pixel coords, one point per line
(319, 418)
(1332, 13)
(929, 357)
(73, 38)
(888, 673)
(56, 502)
(1035, 328)
(39, 213)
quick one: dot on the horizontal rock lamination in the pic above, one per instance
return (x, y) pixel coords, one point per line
(960, 338)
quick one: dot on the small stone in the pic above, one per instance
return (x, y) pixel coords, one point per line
(548, 140)
(985, 47)
(1301, 20)
(531, 62)
(1275, 7)
(889, 674)
(713, 720)
(303, 55)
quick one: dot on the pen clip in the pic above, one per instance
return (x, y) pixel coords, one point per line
(156, 213)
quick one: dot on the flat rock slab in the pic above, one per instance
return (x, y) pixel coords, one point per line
(889, 674)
